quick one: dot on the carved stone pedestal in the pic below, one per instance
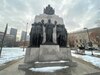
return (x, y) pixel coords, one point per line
(46, 53)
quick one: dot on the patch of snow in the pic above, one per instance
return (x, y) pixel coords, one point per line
(88, 57)
(48, 69)
(9, 54)
(61, 61)
(94, 52)
(94, 60)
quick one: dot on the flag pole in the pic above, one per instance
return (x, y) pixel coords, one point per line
(2, 41)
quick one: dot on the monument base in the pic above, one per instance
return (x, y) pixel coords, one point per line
(46, 53)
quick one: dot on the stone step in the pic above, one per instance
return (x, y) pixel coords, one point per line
(50, 64)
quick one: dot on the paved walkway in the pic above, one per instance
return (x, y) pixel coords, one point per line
(82, 68)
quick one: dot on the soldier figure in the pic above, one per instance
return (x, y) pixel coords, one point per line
(49, 31)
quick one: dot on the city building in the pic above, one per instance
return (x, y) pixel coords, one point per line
(85, 36)
(23, 36)
(13, 32)
(8, 40)
(24, 41)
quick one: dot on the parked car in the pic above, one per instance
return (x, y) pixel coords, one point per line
(91, 48)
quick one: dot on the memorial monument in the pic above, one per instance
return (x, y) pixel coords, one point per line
(48, 40)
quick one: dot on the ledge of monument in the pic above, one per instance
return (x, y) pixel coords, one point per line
(64, 47)
(32, 47)
(49, 43)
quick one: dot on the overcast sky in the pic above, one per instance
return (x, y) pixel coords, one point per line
(76, 14)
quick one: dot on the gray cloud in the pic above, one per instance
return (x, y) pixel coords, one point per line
(75, 13)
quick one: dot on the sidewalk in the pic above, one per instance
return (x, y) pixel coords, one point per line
(12, 69)
(5, 65)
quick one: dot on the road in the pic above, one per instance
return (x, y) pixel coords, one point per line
(83, 68)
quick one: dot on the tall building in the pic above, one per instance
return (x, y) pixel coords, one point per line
(24, 41)
(8, 40)
(23, 36)
(13, 32)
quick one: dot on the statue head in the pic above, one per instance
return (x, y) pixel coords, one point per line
(49, 21)
(55, 22)
(42, 21)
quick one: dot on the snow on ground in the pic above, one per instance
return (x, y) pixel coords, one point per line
(61, 61)
(48, 69)
(88, 57)
(9, 54)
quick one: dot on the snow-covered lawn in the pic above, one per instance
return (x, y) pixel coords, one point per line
(9, 54)
(88, 57)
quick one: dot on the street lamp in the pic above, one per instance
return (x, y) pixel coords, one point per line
(25, 36)
(89, 43)
(98, 40)
(87, 33)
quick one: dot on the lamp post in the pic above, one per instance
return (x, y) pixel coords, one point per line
(98, 40)
(89, 43)
(25, 37)
(87, 33)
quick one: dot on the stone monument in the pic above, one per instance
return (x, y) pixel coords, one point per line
(48, 40)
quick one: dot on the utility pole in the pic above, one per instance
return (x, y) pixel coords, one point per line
(25, 37)
(2, 41)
